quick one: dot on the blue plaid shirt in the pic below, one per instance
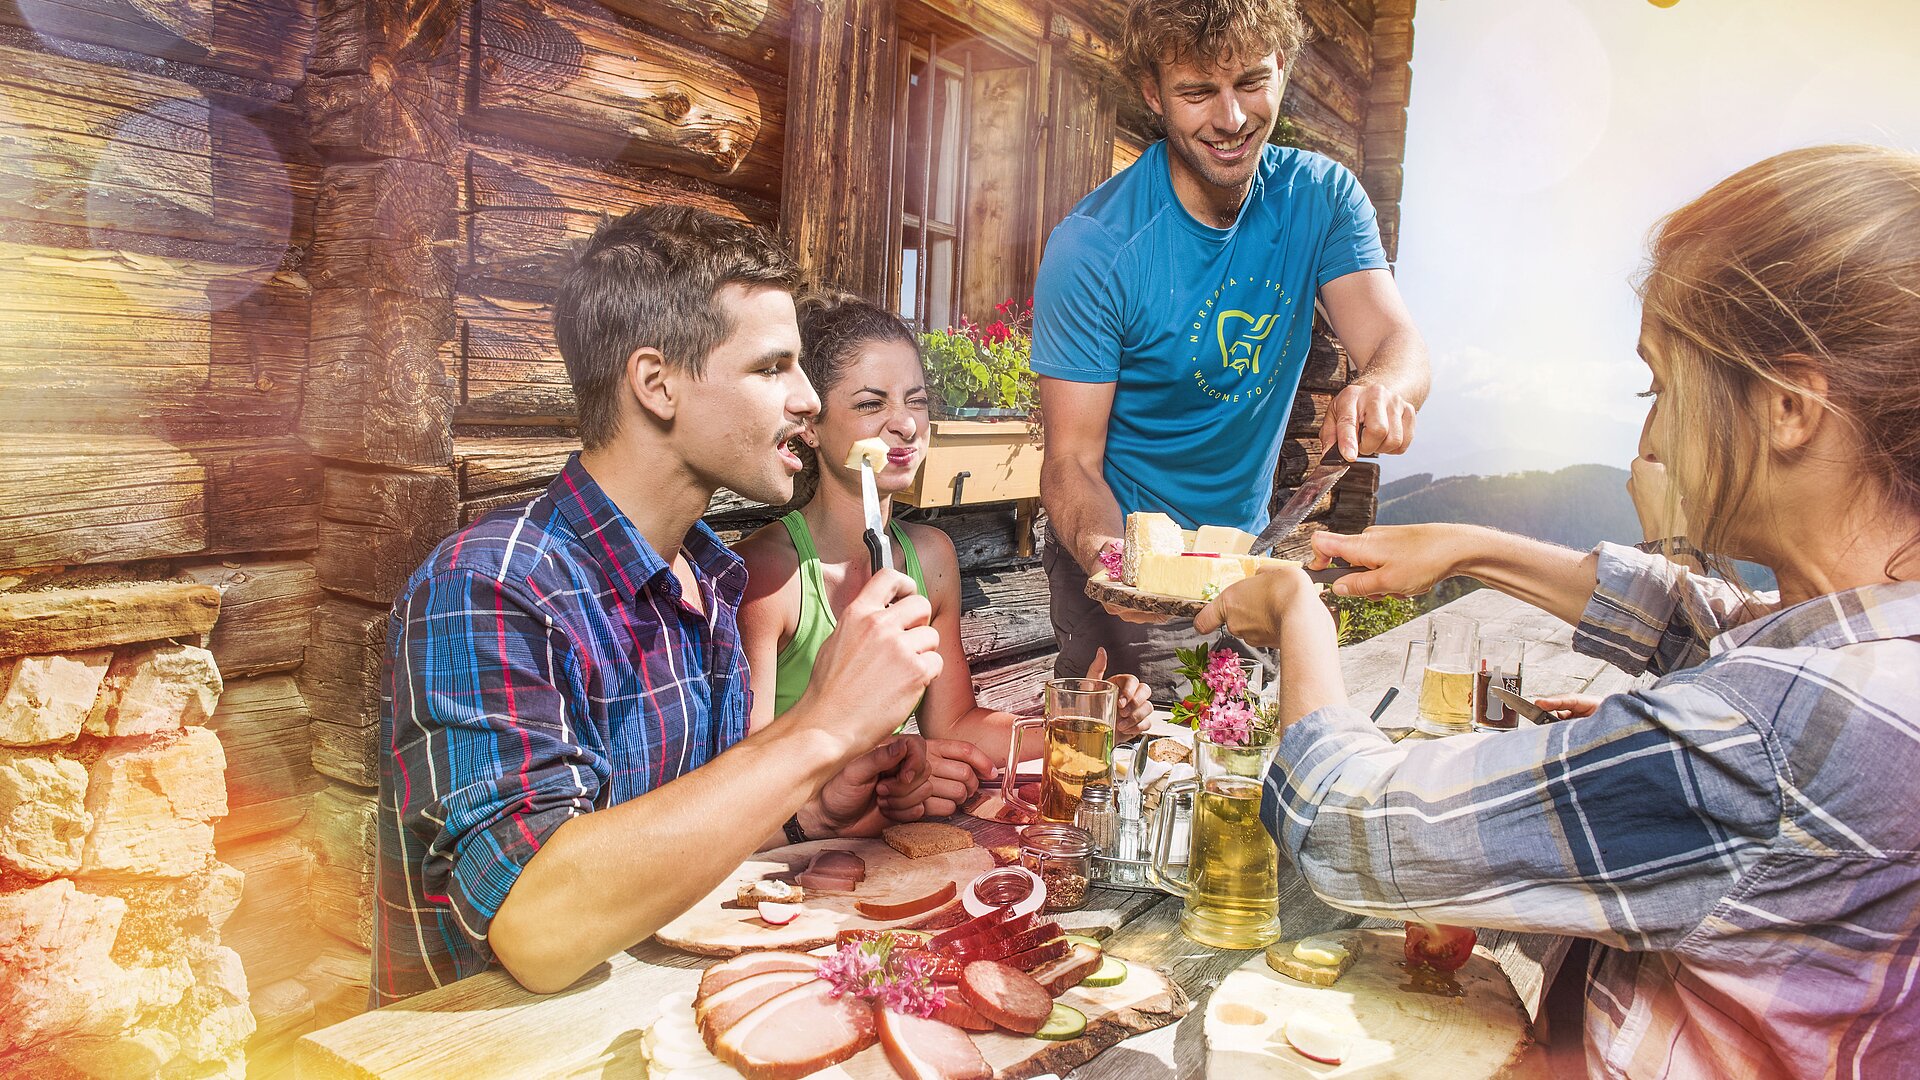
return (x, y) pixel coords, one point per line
(1742, 835)
(541, 664)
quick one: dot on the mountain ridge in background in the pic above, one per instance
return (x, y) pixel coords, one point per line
(1577, 506)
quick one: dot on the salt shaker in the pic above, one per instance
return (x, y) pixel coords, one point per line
(1097, 815)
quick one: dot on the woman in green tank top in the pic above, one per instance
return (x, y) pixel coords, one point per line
(805, 568)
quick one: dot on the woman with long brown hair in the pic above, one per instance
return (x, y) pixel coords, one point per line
(1741, 836)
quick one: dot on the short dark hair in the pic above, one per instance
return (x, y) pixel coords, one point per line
(649, 277)
(1203, 31)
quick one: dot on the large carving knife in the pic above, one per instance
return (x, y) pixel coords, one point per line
(1319, 481)
(868, 455)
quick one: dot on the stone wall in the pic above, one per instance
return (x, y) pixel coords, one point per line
(111, 899)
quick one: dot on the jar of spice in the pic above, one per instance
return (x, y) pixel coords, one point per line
(1063, 857)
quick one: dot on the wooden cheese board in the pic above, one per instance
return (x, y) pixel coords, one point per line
(714, 927)
(1105, 590)
(1390, 1022)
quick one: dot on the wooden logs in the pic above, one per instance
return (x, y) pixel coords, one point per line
(1344, 39)
(272, 930)
(1004, 614)
(340, 683)
(262, 724)
(1316, 73)
(585, 81)
(80, 499)
(508, 362)
(382, 79)
(263, 39)
(263, 493)
(343, 852)
(525, 213)
(753, 31)
(389, 228)
(1014, 686)
(266, 612)
(376, 391)
(507, 470)
(378, 525)
(835, 154)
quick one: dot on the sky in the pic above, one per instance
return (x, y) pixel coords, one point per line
(1546, 137)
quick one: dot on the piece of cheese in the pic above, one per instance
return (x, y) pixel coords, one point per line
(1222, 540)
(1323, 950)
(1147, 534)
(1260, 564)
(873, 450)
(1191, 577)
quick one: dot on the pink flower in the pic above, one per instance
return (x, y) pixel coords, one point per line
(1224, 674)
(1110, 557)
(1227, 723)
(873, 970)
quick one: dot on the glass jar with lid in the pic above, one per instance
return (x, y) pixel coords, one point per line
(1063, 857)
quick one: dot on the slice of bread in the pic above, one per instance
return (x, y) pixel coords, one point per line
(779, 892)
(920, 839)
(1286, 957)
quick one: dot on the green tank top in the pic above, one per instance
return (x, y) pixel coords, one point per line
(794, 666)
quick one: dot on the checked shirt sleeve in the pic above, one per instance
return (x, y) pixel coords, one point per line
(485, 764)
(1626, 826)
(1647, 614)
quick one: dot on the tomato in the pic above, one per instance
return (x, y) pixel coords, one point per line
(1442, 948)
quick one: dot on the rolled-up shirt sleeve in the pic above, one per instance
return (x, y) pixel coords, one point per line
(1625, 826)
(486, 763)
(1649, 614)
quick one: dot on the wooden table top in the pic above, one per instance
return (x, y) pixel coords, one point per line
(487, 1026)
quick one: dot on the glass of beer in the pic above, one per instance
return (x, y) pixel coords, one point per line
(1444, 674)
(1079, 746)
(1232, 887)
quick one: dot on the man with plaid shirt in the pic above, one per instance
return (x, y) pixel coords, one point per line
(567, 765)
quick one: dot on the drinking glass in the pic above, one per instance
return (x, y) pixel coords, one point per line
(1445, 679)
(1079, 724)
(1503, 664)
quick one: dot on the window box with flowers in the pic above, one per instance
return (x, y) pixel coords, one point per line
(985, 442)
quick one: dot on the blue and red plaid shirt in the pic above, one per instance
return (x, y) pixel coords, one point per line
(540, 665)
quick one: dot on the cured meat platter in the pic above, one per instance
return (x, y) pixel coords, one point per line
(720, 926)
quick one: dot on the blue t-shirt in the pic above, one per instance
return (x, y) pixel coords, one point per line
(1204, 330)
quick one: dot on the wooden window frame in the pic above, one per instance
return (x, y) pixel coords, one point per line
(916, 49)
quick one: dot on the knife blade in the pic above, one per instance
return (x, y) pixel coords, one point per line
(876, 538)
(1528, 709)
(1327, 473)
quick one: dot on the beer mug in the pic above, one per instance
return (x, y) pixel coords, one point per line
(1079, 729)
(1232, 887)
(1445, 674)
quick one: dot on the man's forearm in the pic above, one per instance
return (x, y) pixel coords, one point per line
(604, 881)
(1399, 363)
(1081, 510)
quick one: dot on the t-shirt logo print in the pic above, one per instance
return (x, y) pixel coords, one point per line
(1243, 352)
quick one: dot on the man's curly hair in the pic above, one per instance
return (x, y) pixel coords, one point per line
(1179, 31)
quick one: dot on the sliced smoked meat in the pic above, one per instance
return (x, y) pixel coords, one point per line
(730, 971)
(947, 938)
(1032, 958)
(827, 883)
(723, 1008)
(798, 1032)
(962, 1015)
(839, 864)
(1070, 970)
(930, 1049)
(1006, 996)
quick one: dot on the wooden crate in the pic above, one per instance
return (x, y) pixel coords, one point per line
(1000, 457)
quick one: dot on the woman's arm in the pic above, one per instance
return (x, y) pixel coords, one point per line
(769, 613)
(965, 740)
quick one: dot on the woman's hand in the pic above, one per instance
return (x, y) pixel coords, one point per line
(1569, 706)
(1399, 560)
(1256, 609)
(951, 772)
(1133, 709)
(883, 783)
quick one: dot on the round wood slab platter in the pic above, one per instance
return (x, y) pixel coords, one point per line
(1108, 591)
(1394, 1024)
(710, 929)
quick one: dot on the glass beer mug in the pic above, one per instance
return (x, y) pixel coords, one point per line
(1442, 668)
(1079, 728)
(1232, 888)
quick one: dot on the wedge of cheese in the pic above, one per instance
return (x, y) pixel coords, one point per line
(1222, 540)
(1147, 534)
(873, 450)
(1191, 577)
(1257, 564)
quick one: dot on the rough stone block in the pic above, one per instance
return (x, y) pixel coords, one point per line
(43, 817)
(151, 805)
(56, 946)
(45, 699)
(212, 1020)
(143, 1052)
(156, 689)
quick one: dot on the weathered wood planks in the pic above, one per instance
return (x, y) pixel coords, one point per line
(376, 526)
(262, 724)
(1000, 204)
(753, 31)
(262, 39)
(76, 499)
(583, 80)
(266, 613)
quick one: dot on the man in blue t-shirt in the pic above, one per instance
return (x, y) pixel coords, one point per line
(1174, 310)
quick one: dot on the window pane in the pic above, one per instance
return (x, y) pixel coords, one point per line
(940, 283)
(948, 148)
(909, 282)
(916, 106)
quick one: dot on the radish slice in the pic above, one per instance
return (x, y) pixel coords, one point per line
(774, 913)
(1313, 1038)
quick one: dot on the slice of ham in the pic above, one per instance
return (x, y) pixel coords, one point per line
(727, 972)
(1038, 955)
(1006, 996)
(722, 1009)
(946, 938)
(930, 1049)
(975, 947)
(839, 864)
(797, 1033)
(1007, 946)
(1070, 970)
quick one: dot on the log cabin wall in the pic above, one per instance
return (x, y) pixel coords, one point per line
(278, 275)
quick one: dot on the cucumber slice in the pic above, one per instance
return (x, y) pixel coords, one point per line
(1080, 939)
(1063, 1023)
(1112, 973)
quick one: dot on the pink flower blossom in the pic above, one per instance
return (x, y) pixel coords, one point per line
(874, 970)
(1110, 558)
(1227, 723)
(1224, 674)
